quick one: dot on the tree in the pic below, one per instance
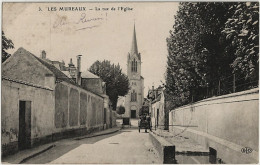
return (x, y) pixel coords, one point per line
(196, 58)
(6, 44)
(242, 33)
(117, 83)
(120, 110)
(210, 42)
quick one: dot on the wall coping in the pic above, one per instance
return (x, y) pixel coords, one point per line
(231, 145)
(165, 149)
(26, 83)
(247, 92)
(82, 89)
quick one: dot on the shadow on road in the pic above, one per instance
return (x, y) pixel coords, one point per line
(132, 129)
(65, 146)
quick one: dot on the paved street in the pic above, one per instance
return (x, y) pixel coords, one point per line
(126, 146)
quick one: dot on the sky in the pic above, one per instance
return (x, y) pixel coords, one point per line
(101, 31)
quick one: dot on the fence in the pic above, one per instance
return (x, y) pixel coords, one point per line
(220, 86)
(226, 85)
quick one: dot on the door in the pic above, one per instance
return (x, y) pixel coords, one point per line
(105, 115)
(133, 113)
(24, 136)
(157, 117)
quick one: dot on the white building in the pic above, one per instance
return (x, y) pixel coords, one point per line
(135, 97)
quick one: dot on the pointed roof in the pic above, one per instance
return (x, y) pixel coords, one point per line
(134, 49)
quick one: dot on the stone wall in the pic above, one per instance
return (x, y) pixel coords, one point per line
(92, 84)
(66, 111)
(107, 113)
(58, 110)
(42, 112)
(226, 123)
(76, 107)
(113, 118)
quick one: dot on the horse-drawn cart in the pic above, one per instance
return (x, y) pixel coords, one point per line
(145, 119)
(144, 123)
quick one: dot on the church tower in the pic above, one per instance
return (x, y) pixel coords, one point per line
(135, 96)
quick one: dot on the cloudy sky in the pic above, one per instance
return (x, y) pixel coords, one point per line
(95, 34)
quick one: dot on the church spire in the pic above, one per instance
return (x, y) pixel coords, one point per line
(134, 43)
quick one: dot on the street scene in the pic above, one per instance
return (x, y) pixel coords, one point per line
(91, 150)
(130, 83)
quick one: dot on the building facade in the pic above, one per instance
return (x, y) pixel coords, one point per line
(157, 106)
(134, 98)
(41, 104)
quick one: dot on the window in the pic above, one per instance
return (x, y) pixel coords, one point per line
(133, 96)
(134, 66)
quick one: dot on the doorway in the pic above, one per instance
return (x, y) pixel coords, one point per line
(133, 113)
(105, 115)
(24, 136)
(157, 117)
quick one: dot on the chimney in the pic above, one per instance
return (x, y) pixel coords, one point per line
(43, 56)
(71, 63)
(78, 78)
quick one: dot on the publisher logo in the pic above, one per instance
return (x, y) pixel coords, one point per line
(246, 150)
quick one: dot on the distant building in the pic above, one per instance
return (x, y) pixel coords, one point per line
(121, 101)
(157, 106)
(134, 98)
(93, 83)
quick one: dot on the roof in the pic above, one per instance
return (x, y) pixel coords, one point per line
(134, 48)
(60, 76)
(88, 74)
(67, 73)
(157, 99)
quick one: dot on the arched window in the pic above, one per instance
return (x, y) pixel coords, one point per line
(134, 66)
(133, 96)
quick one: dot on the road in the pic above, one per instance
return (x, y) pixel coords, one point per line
(127, 146)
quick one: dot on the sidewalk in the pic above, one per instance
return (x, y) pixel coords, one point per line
(182, 144)
(187, 151)
(24, 155)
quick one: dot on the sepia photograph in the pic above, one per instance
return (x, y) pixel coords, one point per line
(130, 82)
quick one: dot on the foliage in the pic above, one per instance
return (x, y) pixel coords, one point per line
(199, 55)
(242, 32)
(120, 110)
(117, 83)
(6, 44)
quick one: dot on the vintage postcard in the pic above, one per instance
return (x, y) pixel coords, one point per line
(130, 83)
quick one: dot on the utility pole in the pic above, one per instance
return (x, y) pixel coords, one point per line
(219, 87)
(234, 83)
